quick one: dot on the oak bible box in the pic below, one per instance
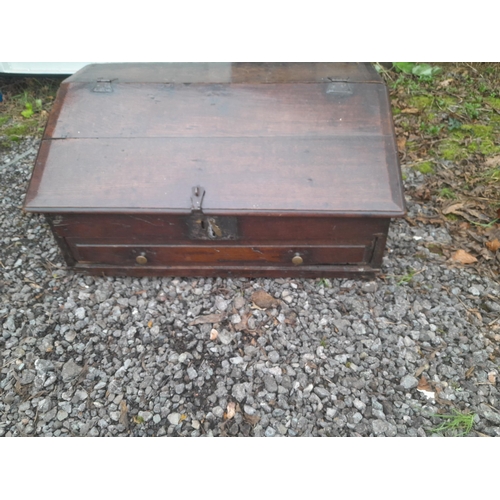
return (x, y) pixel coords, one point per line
(215, 169)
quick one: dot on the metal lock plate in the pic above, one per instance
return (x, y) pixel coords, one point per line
(209, 227)
(212, 227)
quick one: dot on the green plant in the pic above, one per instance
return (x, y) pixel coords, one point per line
(447, 193)
(324, 282)
(407, 277)
(431, 129)
(487, 225)
(28, 111)
(457, 423)
(472, 110)
(417, 69)
(454, 124)
(322, 342)
(424, 168)
(492, 174)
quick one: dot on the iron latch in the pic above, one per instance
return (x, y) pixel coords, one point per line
(197, 198)
(103, 85)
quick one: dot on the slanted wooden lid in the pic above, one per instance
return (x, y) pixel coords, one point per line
(259, 138)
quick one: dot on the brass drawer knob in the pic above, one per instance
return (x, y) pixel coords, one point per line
(297, 260)
(141, 259)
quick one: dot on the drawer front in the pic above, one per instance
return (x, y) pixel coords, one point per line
(230, 255)
(248, 230)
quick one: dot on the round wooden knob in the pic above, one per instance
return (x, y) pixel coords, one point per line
(297, 260)
(141, 259)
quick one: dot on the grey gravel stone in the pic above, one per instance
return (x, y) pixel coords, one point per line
(270, 383)
(62, 415)
(239, 392)
(239, 302)
(145, 415)
(235, 319)
(322, 392)
(273, 356)
(409, 382)
(174, 418)
(226, 337)
(70, 370)
(80, 313)
(43, 365)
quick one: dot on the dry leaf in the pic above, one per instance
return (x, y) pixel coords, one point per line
(463, 257)
(208, 318)
(421, 370)
(263, 299)
(492, 162)
(451, 209)
(230, 411)
(445, 83)
(423, 384)
(243, 324)
(493, 245)
(123, 413)
(150, 323)
(410, 111)
(213, 334)
(492, 377)
(183, 417)
(469, 372)
(401, 143)
(251, 419)
(425, 388)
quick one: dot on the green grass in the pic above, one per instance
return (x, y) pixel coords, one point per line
(325, 282)
(425, 168)
(407, 277)
(447, 193)
(455, 424)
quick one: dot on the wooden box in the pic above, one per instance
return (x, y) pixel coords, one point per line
(215, 169)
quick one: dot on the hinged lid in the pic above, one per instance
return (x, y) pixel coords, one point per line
(260, 138)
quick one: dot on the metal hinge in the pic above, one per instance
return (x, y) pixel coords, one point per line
(340, 88)
(103, 85)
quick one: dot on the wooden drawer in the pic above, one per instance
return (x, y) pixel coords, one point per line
(208, 255)
(270, 230)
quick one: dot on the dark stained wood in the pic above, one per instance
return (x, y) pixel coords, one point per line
(206, 255)
(129, 229)
(156, 110)
(203, 73)
(248, 175)
(294, 159)
(352, 271)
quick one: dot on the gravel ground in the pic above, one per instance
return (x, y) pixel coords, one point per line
(87, 356)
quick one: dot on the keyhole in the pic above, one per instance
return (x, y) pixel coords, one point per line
(202, 223)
